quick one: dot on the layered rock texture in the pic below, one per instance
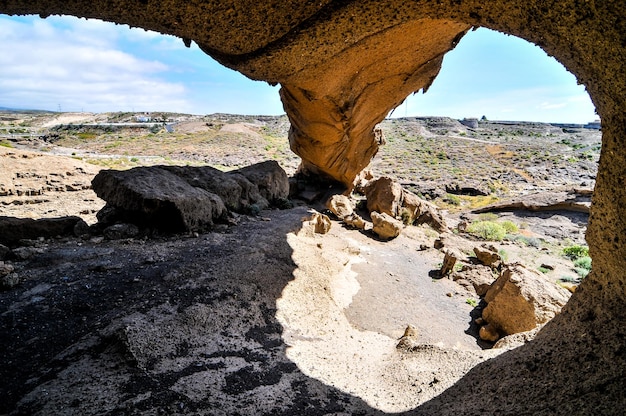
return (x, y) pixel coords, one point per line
(344, 64)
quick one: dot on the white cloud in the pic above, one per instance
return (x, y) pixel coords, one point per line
(78, 64)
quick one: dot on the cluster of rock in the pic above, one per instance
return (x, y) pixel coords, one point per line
(514, 299)
(390, 208)
(187, 198)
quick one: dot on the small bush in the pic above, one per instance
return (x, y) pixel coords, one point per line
(487, 230)
(544, 270)
(510, 227)
(582, 272)
(488, 216)
(452, 199)
(471, 302)
(583, 263)
(575, 252)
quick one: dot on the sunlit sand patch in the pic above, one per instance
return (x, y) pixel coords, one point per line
(326, 346)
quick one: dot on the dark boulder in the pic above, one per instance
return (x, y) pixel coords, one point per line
(12, 230)
(156, 197)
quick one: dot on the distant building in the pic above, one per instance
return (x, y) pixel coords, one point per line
(143, 118)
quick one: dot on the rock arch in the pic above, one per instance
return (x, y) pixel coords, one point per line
(344, 64)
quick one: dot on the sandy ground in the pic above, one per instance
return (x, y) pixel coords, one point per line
(350, 302)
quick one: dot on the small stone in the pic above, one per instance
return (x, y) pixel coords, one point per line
(24, 253)
(9, 281)
(355, 221)
(449, 260)
(385, 226)
(488, 333)
(121, 231)
(439, 243)
(340, 205)
(547, 266)
(409, 340)
(317, 222)
(4, 252)
(5, 269)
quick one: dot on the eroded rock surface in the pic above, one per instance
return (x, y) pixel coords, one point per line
(385, 50)
(185, 198)
(520, 300)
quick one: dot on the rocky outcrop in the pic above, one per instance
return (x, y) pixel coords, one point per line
(384, 195)
(545, 201)
(343, 65)
(520, 300)
(156, 197)
(185, 198)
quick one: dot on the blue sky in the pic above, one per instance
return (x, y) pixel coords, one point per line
(86, 65)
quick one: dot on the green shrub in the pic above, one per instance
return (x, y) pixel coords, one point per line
(582, 272)
(583, 263)
(452, 199)
(509, 226)
(575, 252)
(488, 216)
(487, 230)
(543, 270)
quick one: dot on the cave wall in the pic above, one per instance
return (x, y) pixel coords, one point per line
(344, 64)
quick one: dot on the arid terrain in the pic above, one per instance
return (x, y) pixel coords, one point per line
(263, 315)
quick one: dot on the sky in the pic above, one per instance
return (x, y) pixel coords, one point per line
(71, 64)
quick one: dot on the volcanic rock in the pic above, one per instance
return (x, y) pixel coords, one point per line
(12, 230)
(480, 277)
(520, 299)
(270, 179)
(385, 226)
(488, 256)
(156, 197)
(422, 212)
(384, 196)
(449, 260)
(340, 205)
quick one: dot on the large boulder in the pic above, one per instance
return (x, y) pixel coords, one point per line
(385, 226)
(476, 277)
(384, 196)
(521, 299)
(235, 192)
(12, 230)
(270, 179)
(156, 197)
(422, 212)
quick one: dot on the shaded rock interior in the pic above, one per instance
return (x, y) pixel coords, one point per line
(576, 364)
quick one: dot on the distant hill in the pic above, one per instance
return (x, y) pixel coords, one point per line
(23, 110)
